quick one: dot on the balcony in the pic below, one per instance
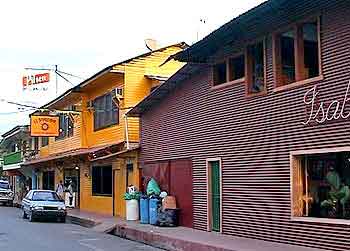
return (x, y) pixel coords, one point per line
(13, 158)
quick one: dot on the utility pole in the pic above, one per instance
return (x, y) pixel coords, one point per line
(56, 66)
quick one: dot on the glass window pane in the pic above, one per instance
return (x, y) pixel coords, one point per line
(256, 54)
(237, 68)
(287, 57)
(311, 49)
(219, 73)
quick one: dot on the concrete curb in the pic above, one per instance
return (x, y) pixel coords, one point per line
(162, 241)
(81, 221)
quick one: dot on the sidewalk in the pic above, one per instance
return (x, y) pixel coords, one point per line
(174, 239)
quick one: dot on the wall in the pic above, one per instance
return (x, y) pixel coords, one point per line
(254, 137)
(100, 204)
(63, 145)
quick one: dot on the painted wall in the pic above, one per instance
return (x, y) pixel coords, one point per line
(254, 137)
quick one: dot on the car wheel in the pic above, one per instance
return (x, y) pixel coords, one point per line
(25, 216)
(63, 220)
(31, 218)
(10, 203)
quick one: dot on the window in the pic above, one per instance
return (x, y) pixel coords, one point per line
(66, 127)
(36, 143)
(320, 185)
(236, 66)
(102, 180)
(44, 141)
(296, 53)
(256, 68)
(106, 112)
(220, 73)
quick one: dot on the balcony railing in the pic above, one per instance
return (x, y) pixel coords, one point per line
(13, 158)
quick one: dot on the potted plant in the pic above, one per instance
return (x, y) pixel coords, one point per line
(132, 205)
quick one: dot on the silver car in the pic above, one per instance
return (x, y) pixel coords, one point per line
(6, 195)
(40, 204)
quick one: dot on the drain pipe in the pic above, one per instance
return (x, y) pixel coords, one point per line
(126, 132)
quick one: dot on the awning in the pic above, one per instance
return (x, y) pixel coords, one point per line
(13, 173)
(115, 154)
(76, 152)
(12, 166)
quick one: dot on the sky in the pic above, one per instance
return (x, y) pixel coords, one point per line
(83, 37)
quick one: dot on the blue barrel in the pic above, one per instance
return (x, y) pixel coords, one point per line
(153, 211)
(144, 211)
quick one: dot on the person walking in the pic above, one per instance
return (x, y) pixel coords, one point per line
(60, 189)
(70, 193)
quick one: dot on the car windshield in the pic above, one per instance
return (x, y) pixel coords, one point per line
(45, 196)
(4, 185)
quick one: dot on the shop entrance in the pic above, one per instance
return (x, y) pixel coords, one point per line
(71, 176)
(49, 180)
(214, 194)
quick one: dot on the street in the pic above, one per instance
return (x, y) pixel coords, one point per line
(17, 234)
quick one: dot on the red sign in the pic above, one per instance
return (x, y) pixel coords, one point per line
(35, 79)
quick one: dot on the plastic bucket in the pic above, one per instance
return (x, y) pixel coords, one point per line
(153, 211)
(144, 210)
(132, 210)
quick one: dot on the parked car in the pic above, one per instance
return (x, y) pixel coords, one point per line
(40, 204)
(6, 195)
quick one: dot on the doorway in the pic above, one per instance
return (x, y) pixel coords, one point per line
(49, 180)
(72, 176)
(214, 195)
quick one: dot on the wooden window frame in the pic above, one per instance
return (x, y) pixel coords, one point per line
(228, 81)
(248, 73)
(44, 143)
(208, 189)
(101, 167)
(68, 132)
(298, 50)
(117, 110)
(292, 157)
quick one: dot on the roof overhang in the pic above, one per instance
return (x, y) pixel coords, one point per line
(256, 23)
(60, 156)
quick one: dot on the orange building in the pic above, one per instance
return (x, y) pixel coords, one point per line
(97, 148)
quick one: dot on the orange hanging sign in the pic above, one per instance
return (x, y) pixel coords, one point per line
(44, 126)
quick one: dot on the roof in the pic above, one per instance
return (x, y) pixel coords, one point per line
(163, 90)
(255, 23)
(78, 87)
(15, 130)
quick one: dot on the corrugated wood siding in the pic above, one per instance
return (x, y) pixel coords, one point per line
(63, 145)
(254, 137)
(101, 204)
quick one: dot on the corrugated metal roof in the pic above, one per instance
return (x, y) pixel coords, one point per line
(106, 70)
(255, 23)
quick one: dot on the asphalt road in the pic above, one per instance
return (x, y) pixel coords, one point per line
(17, 234)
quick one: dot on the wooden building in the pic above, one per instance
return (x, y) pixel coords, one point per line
(261, 111)
(97, 147)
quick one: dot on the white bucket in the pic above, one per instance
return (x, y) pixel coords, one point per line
(132, 210)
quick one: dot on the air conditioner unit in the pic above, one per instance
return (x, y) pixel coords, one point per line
(90, 104)
(119, 92)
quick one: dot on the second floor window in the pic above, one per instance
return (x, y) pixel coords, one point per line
(106, 112)
(44, 141)
(256, 68)
(219, 73)
(237, 68)
(66, 127)
(297, 53)
(36, 143)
